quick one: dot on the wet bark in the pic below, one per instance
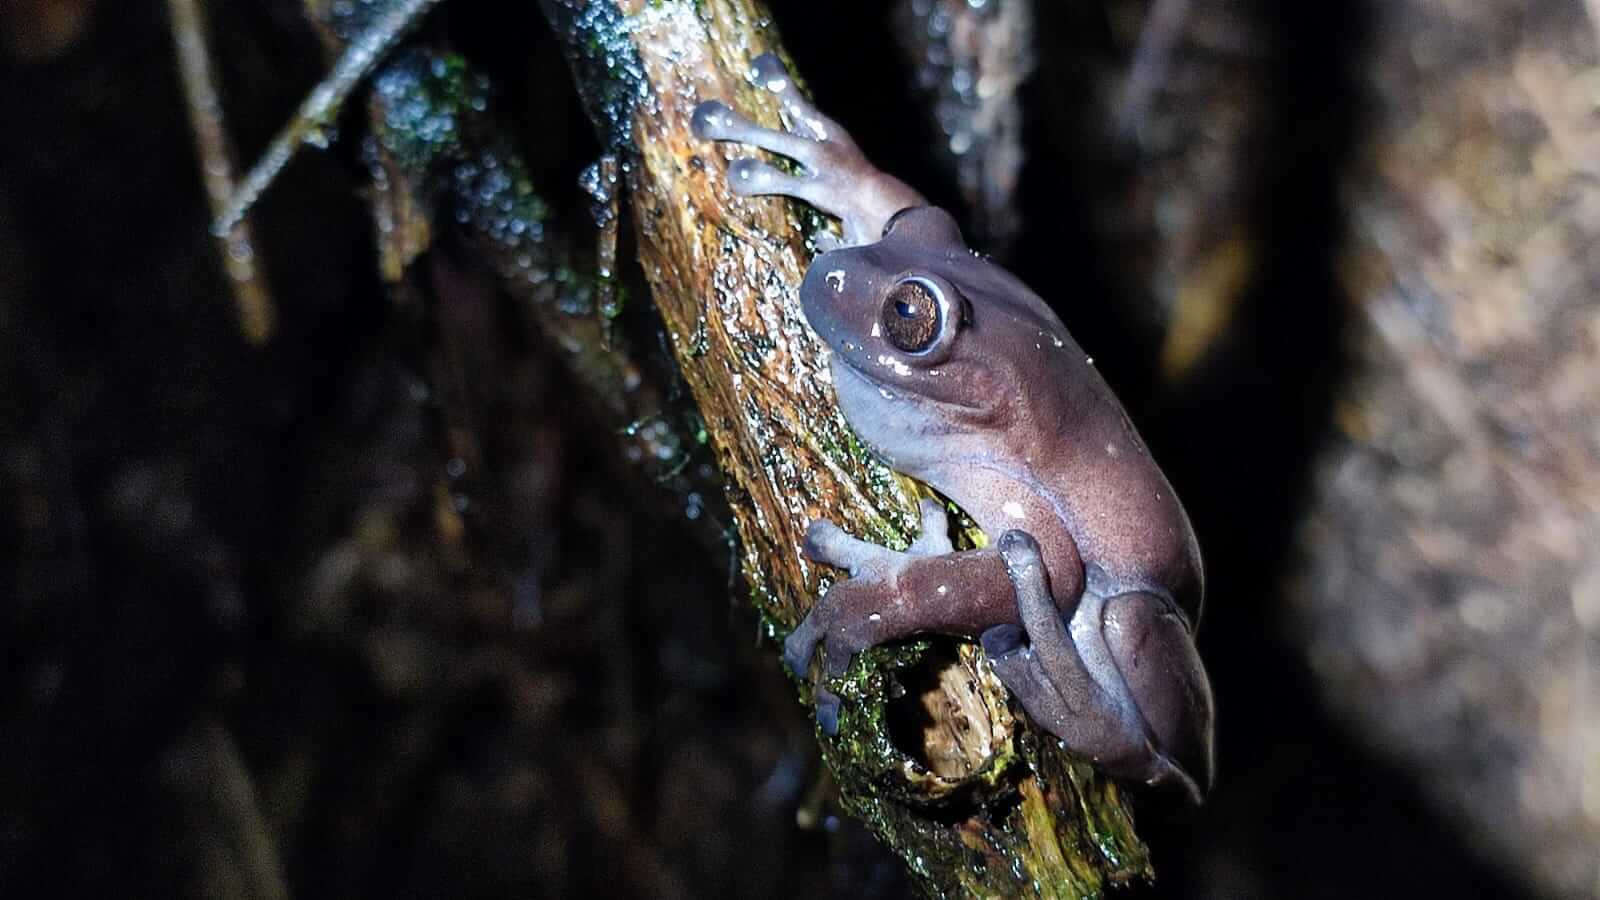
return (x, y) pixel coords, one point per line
(972, 799)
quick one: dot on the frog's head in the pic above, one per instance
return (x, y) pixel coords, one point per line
(925, 337)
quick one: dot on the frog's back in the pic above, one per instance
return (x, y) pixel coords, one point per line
(1116, 501)
(1075, 438)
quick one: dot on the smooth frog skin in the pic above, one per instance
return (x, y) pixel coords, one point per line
(956, 374)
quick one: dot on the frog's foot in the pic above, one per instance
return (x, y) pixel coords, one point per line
(874, 576)
(837, 178)
(864, 610)
(1074, 685)
(1037, 660)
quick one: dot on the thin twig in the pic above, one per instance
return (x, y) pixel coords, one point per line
(321, 108)
(250, 295)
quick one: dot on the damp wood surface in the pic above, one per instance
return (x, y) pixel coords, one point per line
(978, 804)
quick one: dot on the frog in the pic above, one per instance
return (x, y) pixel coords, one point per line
(952, 371)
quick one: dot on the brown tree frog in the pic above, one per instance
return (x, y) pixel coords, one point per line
(958, 375)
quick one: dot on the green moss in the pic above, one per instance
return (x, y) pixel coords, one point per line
(424, 97)
(769, 613)
(609, 74)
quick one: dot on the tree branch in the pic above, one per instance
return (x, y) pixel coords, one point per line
(971, 798)
(236, 245)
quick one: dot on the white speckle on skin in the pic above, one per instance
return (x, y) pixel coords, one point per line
(944, 589)
(874, 618)
(1111, 450)
(885, 394)
(835, 280)
(877, 329)
(1088, 360)
(1013, 509)
(899, 367)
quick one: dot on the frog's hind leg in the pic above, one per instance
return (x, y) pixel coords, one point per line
(1154, 650)
(1067, 681)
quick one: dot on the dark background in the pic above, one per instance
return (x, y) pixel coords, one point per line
(240, 652)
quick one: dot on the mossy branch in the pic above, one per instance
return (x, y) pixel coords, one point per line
(974, 801)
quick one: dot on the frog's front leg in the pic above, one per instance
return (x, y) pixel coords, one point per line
(837, 178)
(892, 595)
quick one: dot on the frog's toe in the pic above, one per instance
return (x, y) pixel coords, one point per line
(771, 70)
(801, 644)
(828, 543)
(1021, 671)
(714, 120)
(773, 75)
(1002, 640)
(935, 537)
(827, 711)
(752, 177)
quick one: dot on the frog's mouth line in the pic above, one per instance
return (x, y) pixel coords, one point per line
(963, 410)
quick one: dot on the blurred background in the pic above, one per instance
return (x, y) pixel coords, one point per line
(346, 568)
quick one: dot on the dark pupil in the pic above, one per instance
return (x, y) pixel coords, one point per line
(911, 317)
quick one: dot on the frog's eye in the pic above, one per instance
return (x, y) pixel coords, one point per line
(912, 316)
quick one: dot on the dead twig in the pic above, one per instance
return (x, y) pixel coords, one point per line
(250, 295)
(321, 108)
